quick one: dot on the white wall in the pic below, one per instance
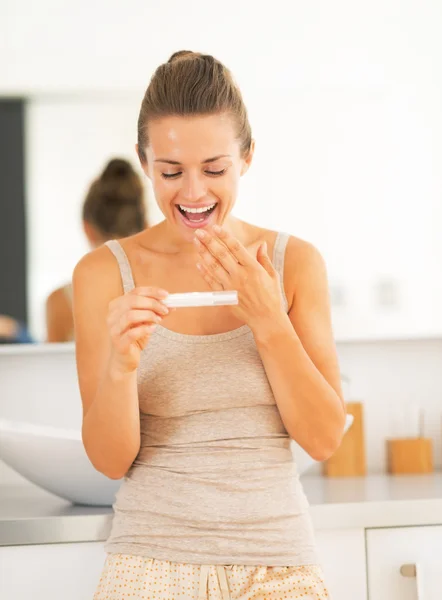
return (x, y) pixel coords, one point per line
(344, 99)
(53, 46)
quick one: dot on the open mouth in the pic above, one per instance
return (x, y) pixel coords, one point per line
(196, 216)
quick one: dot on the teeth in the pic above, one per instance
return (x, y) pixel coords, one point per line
(196, 210)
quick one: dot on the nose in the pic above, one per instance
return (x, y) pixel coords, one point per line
(193, 188)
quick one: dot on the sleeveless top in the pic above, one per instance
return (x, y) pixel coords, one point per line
(214, 481)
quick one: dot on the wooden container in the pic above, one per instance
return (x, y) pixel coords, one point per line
(410, 456)
(349, 458)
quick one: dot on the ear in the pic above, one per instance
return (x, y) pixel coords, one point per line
(247, 160)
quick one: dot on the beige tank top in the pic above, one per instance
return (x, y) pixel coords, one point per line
(214, 481)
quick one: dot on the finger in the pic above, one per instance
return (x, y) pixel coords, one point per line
(264, 259)
(140, 335)
(150, 292)
(215, 268)
(130, 304)
(209, 279)
(143, 303)
(234, 246)
(134, 318)
(139, 298)
(217, 249)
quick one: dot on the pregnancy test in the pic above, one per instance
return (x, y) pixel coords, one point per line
(225, 298)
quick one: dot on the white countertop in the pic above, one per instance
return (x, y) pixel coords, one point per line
(37, 348)
(29, 515)
(374, 501)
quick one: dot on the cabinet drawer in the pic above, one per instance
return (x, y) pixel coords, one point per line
(50, 571)
(342, 556)
(405, 563)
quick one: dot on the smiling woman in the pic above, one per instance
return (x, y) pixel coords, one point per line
(189, 173)
(196, 408)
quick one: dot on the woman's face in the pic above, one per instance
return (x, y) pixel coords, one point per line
(195, 165)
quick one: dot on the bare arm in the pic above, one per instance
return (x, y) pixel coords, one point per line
(111, 330)
(59, 321)
(300, 359)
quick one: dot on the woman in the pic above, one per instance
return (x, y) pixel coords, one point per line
(114, 208)
(196, 407)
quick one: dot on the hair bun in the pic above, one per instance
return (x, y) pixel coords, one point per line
(117, 183)
(183, 54)
(114, 204)
(115, 169)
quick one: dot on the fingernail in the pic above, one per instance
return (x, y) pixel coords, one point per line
(198, 266)
(200, 233)
(217, 229)
(264, 247)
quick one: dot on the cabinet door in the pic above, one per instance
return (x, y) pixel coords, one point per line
(342, 556)
(405, 563)
(50, 572)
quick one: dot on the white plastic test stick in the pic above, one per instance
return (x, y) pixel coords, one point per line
(225, 298)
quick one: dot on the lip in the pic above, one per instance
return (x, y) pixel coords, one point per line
(200, 224)
(202, 205)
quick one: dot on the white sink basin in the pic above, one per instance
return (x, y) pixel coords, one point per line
(55, 460)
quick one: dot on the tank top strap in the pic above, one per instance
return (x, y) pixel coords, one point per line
(278, 261)
(123, 262)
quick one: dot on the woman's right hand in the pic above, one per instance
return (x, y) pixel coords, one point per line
(131, 320)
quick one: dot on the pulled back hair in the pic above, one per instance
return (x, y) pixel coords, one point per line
(191, 84)
(114, 204)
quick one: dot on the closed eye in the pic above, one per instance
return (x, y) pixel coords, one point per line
(215, 173)
(170, 175)
(176, 175)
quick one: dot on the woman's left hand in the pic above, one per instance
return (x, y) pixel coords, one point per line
(226, 264)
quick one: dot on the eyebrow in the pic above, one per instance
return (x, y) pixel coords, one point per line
(205, 161)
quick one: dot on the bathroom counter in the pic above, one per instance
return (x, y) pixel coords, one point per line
(29, 515)
(374, 501)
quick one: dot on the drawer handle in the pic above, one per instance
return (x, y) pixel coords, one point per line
(414, 571)
(408, 570)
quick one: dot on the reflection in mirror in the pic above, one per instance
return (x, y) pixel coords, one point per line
(114, 208)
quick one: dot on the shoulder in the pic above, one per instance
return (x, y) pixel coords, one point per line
(94, 261)
(59, 322)
(302, 255)
(304, 269)
(97, 270)
(58, 299)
